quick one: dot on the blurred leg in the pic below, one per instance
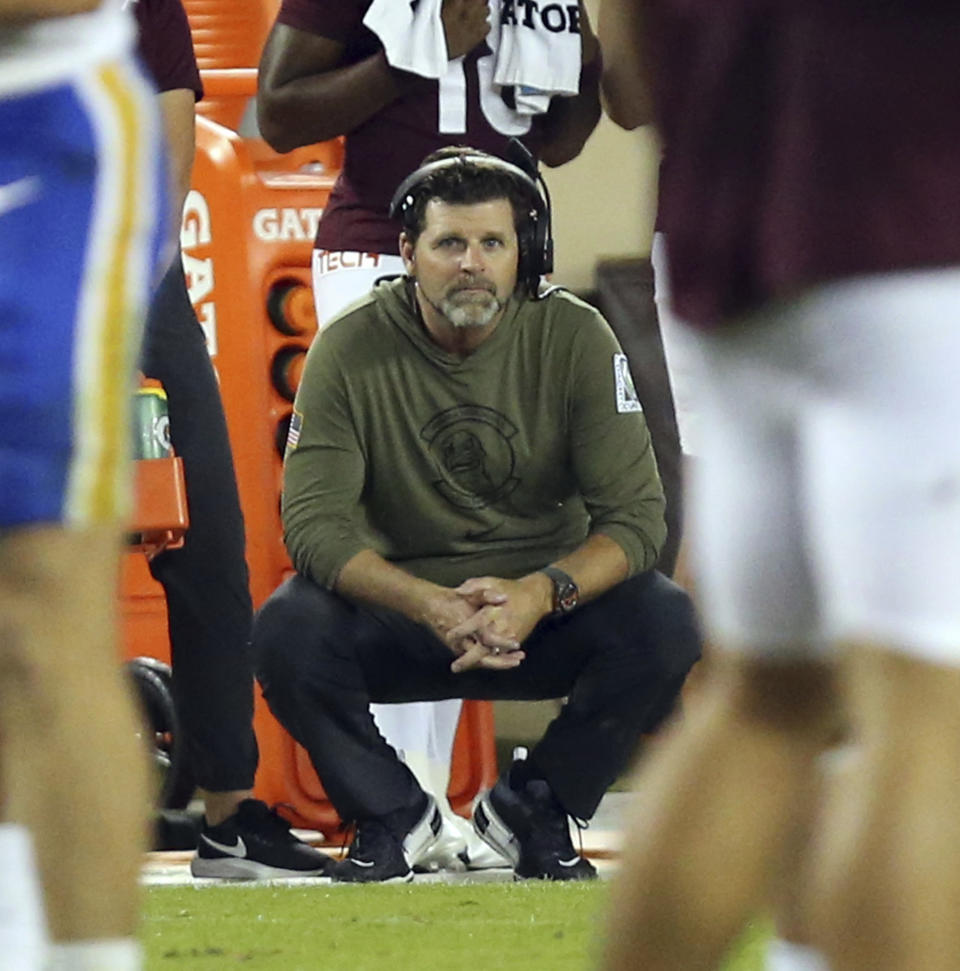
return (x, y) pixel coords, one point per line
(886, 889)
(73, 770)
(716, 808)
(791, 949)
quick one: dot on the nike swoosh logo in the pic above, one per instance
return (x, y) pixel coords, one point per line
(572, 862)
(239, 849)
(13, 195)
(362, 862)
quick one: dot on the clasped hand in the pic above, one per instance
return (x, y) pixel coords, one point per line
(485, 621)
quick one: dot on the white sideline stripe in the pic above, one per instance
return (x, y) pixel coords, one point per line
(160, 874)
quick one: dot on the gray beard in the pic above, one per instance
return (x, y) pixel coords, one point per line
(472, 313)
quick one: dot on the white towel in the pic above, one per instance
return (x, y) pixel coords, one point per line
(538, 51)
(413, 40)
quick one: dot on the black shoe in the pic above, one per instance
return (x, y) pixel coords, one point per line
(255, 843)
(529, 827)
(385, 849)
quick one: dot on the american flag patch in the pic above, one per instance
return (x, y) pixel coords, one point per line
(293, 435)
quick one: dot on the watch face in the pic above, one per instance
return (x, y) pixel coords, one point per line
(565, 591)
(566, 597)
(565, 594)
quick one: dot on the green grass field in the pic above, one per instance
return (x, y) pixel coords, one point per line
(493, 927)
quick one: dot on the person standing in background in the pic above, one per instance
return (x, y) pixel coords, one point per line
(627, 101)
(206, 581)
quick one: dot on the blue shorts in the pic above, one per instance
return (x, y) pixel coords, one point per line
(81, 197)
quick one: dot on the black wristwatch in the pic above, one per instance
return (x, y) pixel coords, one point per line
(565, 592)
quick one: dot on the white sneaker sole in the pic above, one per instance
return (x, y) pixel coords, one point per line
(229, 868)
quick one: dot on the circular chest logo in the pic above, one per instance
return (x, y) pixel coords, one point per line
(471, 450)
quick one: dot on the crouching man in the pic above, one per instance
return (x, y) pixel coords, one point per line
(473, 509)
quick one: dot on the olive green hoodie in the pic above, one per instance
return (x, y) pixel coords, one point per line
(451, 467)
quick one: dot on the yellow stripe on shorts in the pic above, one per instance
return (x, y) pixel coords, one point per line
(116, 293)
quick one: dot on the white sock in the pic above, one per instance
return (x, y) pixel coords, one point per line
(23, 926)
(112, 954)
(783, 955)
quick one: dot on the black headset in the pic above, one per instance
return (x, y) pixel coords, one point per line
(535, 237)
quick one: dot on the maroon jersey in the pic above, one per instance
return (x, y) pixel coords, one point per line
(460, 109)
(165, 45)
(809, 140)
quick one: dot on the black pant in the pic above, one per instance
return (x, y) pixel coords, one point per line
(206, 581)
(620, 662)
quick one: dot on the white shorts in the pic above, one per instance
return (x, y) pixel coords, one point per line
(341, 277)
(826, 506)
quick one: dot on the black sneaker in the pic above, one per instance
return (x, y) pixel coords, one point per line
(255, 843)
(385, 849)
(531, 829)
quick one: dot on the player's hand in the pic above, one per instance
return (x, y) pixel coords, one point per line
(465, 24)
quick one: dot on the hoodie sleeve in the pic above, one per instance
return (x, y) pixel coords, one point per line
(323, 471)
(611, 450)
